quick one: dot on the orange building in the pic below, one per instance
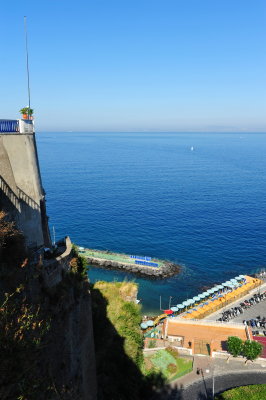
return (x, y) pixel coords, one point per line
(202, 337)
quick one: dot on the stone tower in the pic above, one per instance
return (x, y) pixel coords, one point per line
(21, 193)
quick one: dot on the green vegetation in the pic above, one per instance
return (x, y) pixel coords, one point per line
(249, 349)
(29, 319)
(26, 110)
(151, 344)
(234, 346)
(119, 343)
(252, 349)
(251, 392)
(161, 360)
(124, 315)
(23, 323)
(79, 263)
(168, 362)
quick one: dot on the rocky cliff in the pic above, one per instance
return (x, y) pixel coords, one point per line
(46, 337)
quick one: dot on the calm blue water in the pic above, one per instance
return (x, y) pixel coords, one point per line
(148, 193)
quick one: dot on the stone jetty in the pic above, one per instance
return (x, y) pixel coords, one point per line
(123, 262)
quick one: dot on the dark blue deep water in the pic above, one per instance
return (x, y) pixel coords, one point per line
(148, 193)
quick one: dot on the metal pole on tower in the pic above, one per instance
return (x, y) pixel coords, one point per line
(54, 235)
(27, 62)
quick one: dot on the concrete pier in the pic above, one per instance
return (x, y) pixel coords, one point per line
(123, 262)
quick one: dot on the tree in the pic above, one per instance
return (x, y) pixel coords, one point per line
(252, 349)
(234, 345)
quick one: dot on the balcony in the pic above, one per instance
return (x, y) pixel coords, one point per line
(14, 126)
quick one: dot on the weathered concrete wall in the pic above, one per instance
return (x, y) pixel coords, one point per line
(19, 167)
(54, 269)
(72, 346)
(21, 151)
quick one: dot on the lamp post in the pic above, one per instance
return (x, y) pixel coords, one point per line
(213, 382)
(213, 367)
(170, 298)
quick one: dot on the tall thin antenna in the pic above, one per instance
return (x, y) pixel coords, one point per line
(54, 235)
(27, 58)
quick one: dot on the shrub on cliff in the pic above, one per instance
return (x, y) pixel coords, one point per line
(12, 245)
(78, 263)
(22, 330)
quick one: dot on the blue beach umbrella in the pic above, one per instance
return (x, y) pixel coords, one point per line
(196, 298)
(227, 284)
(201, 296)
(180, 306)
(143, 325)
(175, 309)
(150, 323)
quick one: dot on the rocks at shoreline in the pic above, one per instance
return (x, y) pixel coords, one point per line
(166, 270)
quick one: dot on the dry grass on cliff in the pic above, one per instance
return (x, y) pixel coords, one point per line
(126, 290)
(124, 314)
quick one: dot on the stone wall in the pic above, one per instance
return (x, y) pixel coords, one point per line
(53, 269)
(71, 356)
(19, 169)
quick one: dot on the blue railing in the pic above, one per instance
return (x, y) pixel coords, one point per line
(149, 264)
(9, 125)
(142, 258)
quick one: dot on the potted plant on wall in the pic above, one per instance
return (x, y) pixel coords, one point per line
(26, 112)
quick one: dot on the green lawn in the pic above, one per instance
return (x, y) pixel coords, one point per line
(252, 392)
(170, 365)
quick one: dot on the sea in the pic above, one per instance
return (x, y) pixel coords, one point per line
(196, 199)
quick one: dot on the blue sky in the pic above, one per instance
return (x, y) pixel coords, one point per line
(137, 65)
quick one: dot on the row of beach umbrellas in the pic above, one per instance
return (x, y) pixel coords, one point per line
(231, 284)
(146, 324)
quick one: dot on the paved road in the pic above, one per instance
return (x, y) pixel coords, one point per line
(202, 390)
(226, 376)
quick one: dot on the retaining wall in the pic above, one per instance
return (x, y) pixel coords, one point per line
(21, 192)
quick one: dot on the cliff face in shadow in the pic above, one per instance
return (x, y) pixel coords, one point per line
(119, 377)
(46, 339)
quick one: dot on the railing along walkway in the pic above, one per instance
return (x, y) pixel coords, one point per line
(27, 199)
(15, 126)
(16, 198)
(6, 189)
(9, 125)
